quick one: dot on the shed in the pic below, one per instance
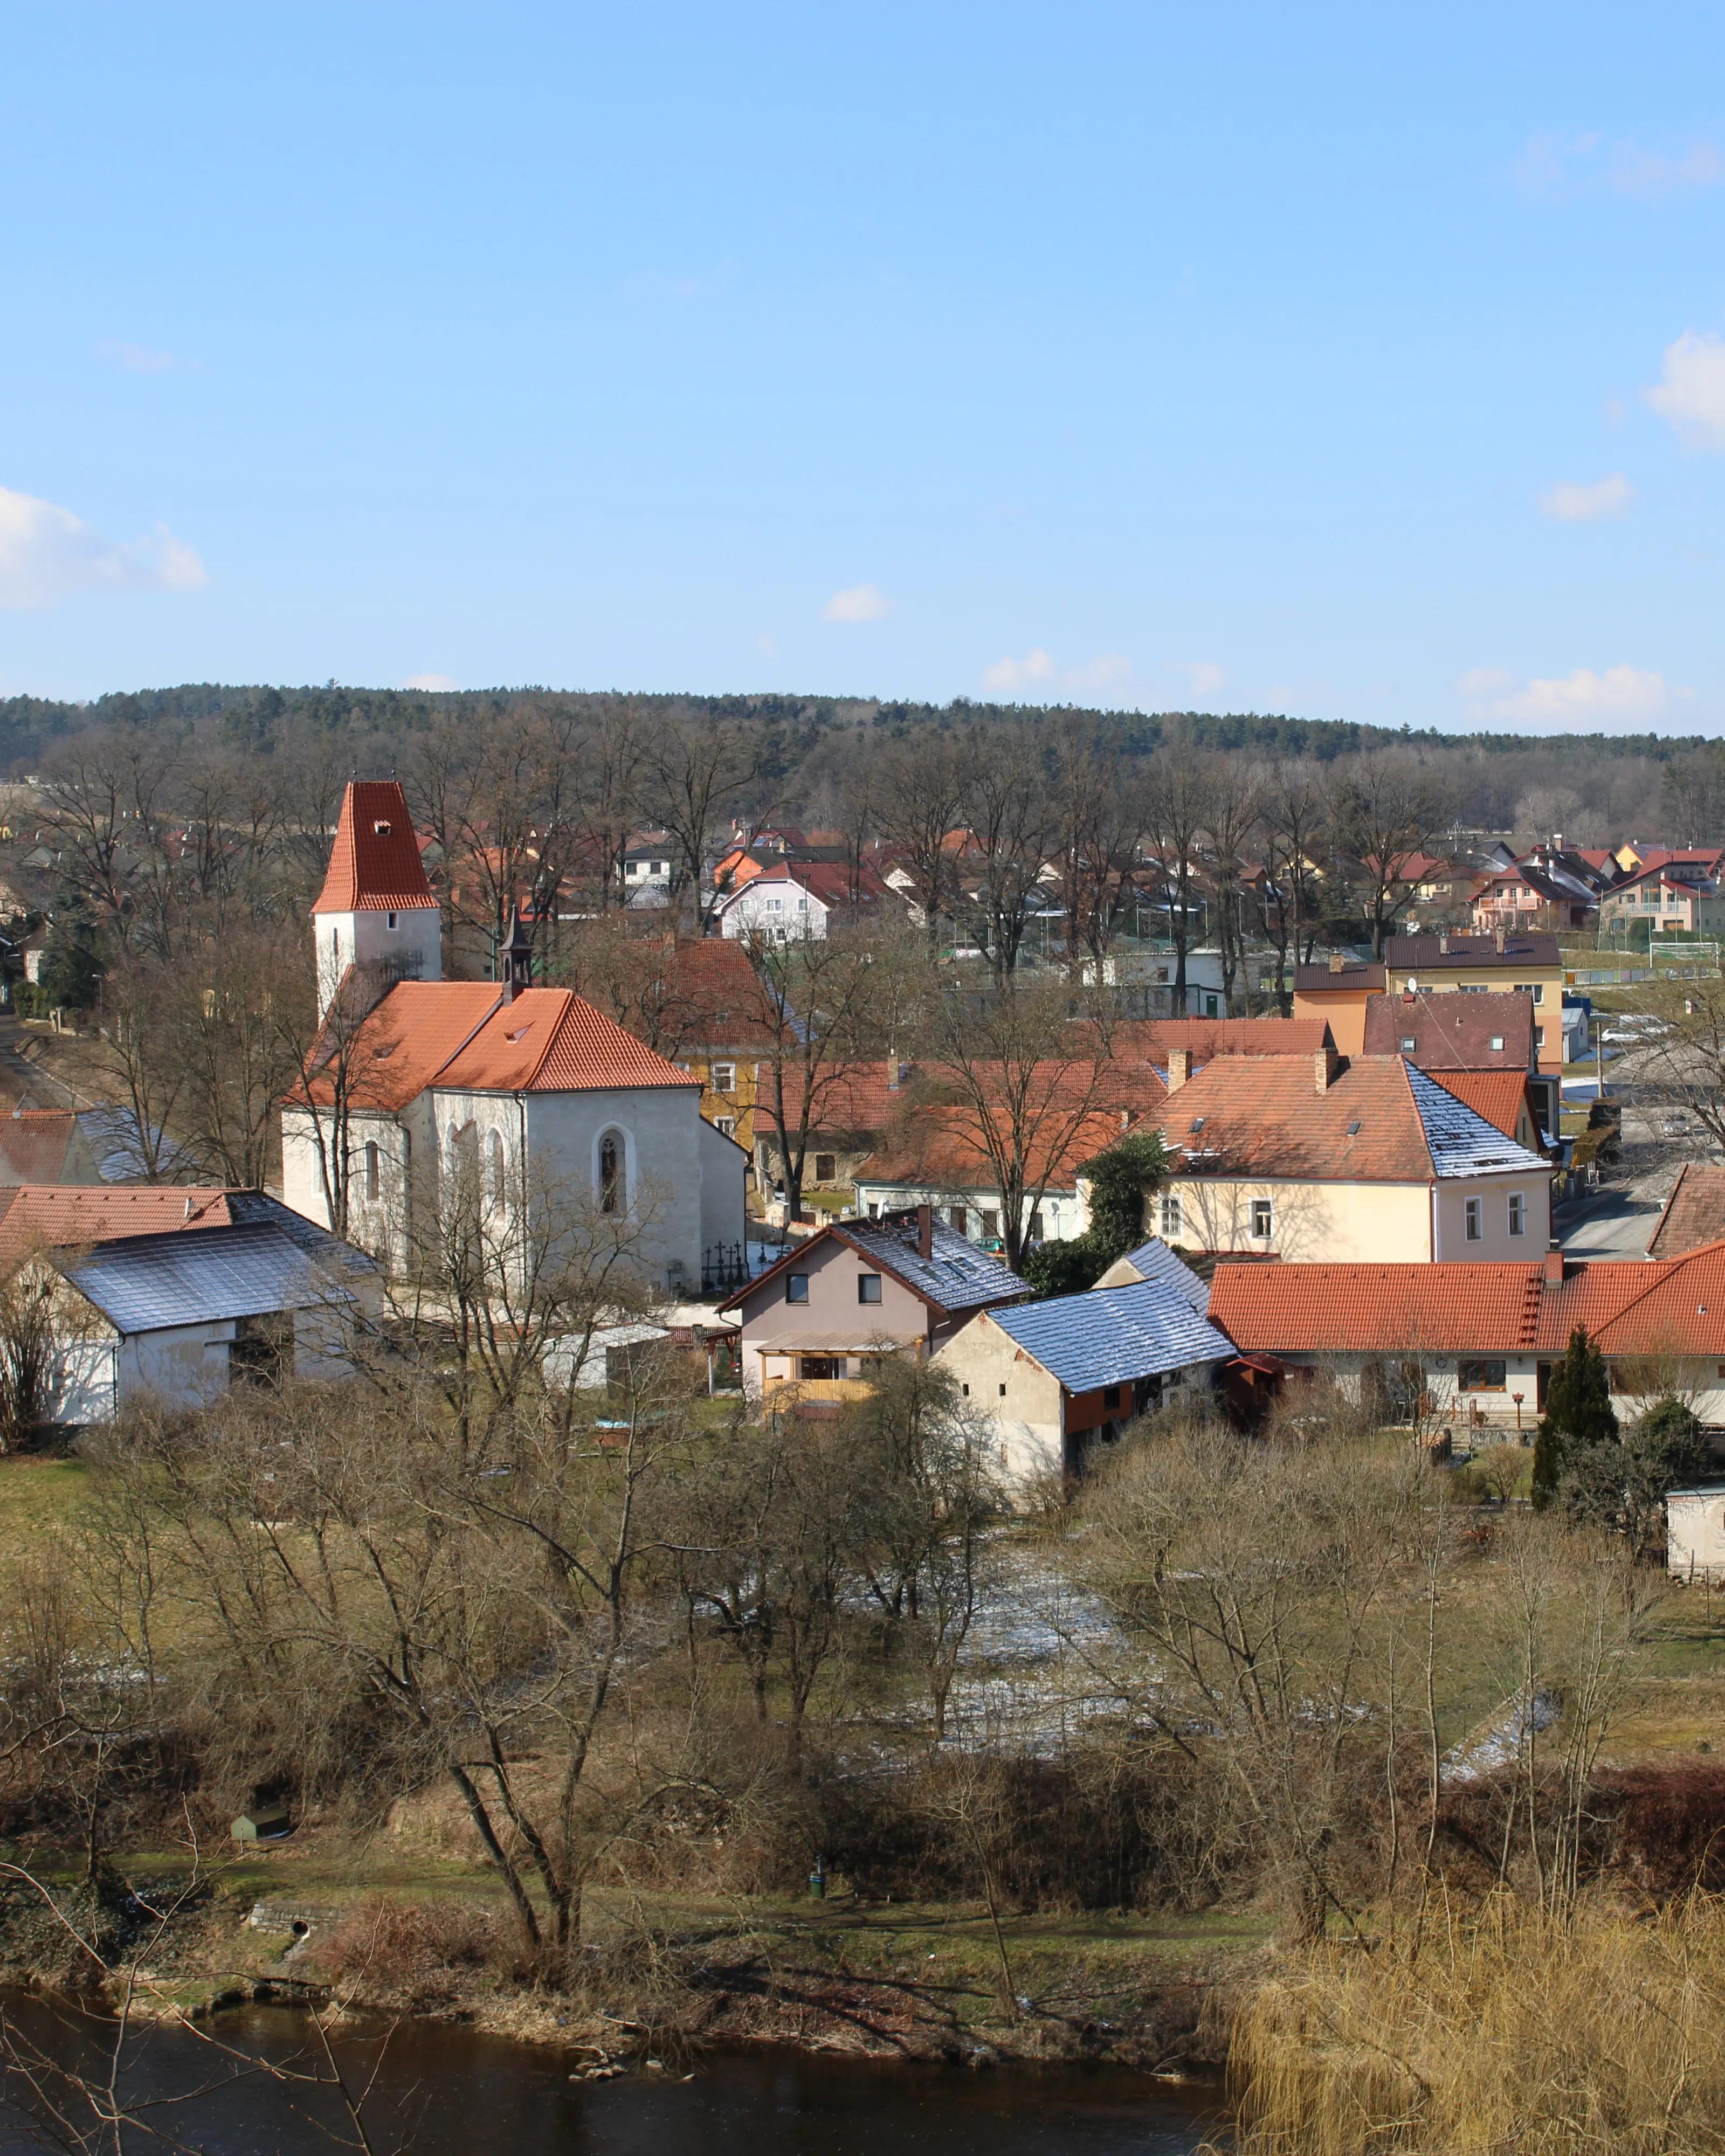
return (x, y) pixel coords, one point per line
(262, 1823)
(1056, 1377)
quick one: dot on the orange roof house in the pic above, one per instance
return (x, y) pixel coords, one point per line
(1693, 1214)
(1316, 1156)
(416, 1082)
(1481, 1334)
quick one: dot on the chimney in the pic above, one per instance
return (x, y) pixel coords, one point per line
(1501, 932)
(1326, 1062)
(1336, 961)
(1554, 1264)
(1443, 947)
(925, 1231)
(190, 1209)
(1179, 1068)
(892, 1070)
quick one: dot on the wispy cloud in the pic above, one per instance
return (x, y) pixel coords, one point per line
(1585, 502)
(1581, 702)
(433, 684)
(858, 603)
(47, 553)
(1110, 673)
(139, 359)
(1556, 167)
(1691, 391)
(1203, 677)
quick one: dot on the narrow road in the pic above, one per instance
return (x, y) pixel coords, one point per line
(23, 1082)
(1614, 1223)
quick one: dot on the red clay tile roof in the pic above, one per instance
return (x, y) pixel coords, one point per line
(33, 1144)
(1693, 1214)
(1501, 1096)
(1452, 1033)
(57, 1215)
(856, 1096)
(375, 864)
(402, 1045)
(1630, 1307)
(831, 882)
(1265, 1115)
(942, 1149)
(548, 1041)
(1204, 1038)
(715, 996)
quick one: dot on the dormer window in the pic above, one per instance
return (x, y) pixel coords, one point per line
(1197, 1123)
(381, 829)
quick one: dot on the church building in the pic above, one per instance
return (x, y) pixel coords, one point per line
(545, 1099)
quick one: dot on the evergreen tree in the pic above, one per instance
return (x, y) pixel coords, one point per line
(1120, 1181)
(1578, 1413)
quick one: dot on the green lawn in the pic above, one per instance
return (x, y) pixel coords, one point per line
(36, 1497)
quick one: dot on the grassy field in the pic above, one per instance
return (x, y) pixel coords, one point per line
(37, 1497)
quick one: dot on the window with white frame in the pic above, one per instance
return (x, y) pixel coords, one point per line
(1517, 1213)
(1471, 1214)
(724, 1077)
(1171, 1216)
(726, 1124)
(1263, 1219)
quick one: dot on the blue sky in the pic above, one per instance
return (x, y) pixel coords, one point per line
(1355, 362)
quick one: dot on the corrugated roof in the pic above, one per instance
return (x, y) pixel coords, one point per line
(148, 1283)
(1155, 1261)
(1111, 1335)
(1460, 1140)
(375, 863)
(957, 1275)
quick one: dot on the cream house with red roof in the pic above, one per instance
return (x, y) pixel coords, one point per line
(1483, 1338)
(413, 1077)
(1322, 1156)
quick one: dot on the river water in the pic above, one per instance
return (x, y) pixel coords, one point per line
(441, 2091)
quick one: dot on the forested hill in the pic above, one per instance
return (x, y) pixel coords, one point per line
(257, 716)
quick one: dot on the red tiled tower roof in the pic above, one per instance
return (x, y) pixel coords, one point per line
(375, 864)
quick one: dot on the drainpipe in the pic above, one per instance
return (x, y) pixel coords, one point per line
(1435, 1253)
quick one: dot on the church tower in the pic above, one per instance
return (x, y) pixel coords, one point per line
(376, 911)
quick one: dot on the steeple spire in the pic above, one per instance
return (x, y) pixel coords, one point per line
(515, 957)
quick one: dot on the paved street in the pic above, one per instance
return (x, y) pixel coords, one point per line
(1615, 1222)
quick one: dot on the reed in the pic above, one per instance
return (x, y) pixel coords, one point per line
(1545, 2035)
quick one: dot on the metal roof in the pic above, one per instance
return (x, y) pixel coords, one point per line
(957, 1273)
(1113, 1334)
(1460, 1140)
(148, 1283)
(1155, 1261)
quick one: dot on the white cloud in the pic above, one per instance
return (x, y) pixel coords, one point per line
(1692, 394)
(857, 603)
(1203, 677)
(46, 553)
(1557, 166)
(1109, 674)
(433, 685)
(138, 358)
(1007, 676)
(1585, 501)
(1581, 702)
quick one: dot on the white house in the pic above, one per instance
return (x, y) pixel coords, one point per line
(414, 1078)
(796, 901)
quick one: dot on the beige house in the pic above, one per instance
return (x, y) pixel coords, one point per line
(1440, 964)
(1695, 1533)
(1320, 1157)
(822, 1318)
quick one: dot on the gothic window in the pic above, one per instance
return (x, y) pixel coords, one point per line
(371, 1161)
(613, 1193)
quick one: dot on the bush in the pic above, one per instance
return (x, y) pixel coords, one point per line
(417, 1953)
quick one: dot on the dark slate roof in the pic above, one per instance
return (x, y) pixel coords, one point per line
(1155, 1261)
(1426, 954)
(1114, 1334)
(1460, 1140)
(957, 1273)
(147, 1283)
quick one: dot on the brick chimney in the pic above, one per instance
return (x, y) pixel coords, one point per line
(1501, 932)
(1336, 961)
(1554, 1264)
(1179, 1068)
(925, 1231)
(1443, 947)
(892, 1070)
(1326, 1065)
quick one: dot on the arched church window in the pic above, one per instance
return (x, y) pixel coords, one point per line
(613, 1195)
(372, 1168)
(500, 1182)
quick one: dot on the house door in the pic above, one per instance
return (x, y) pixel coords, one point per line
(1543, 1380)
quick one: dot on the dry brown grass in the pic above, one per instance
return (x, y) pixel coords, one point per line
(1602, 2031)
